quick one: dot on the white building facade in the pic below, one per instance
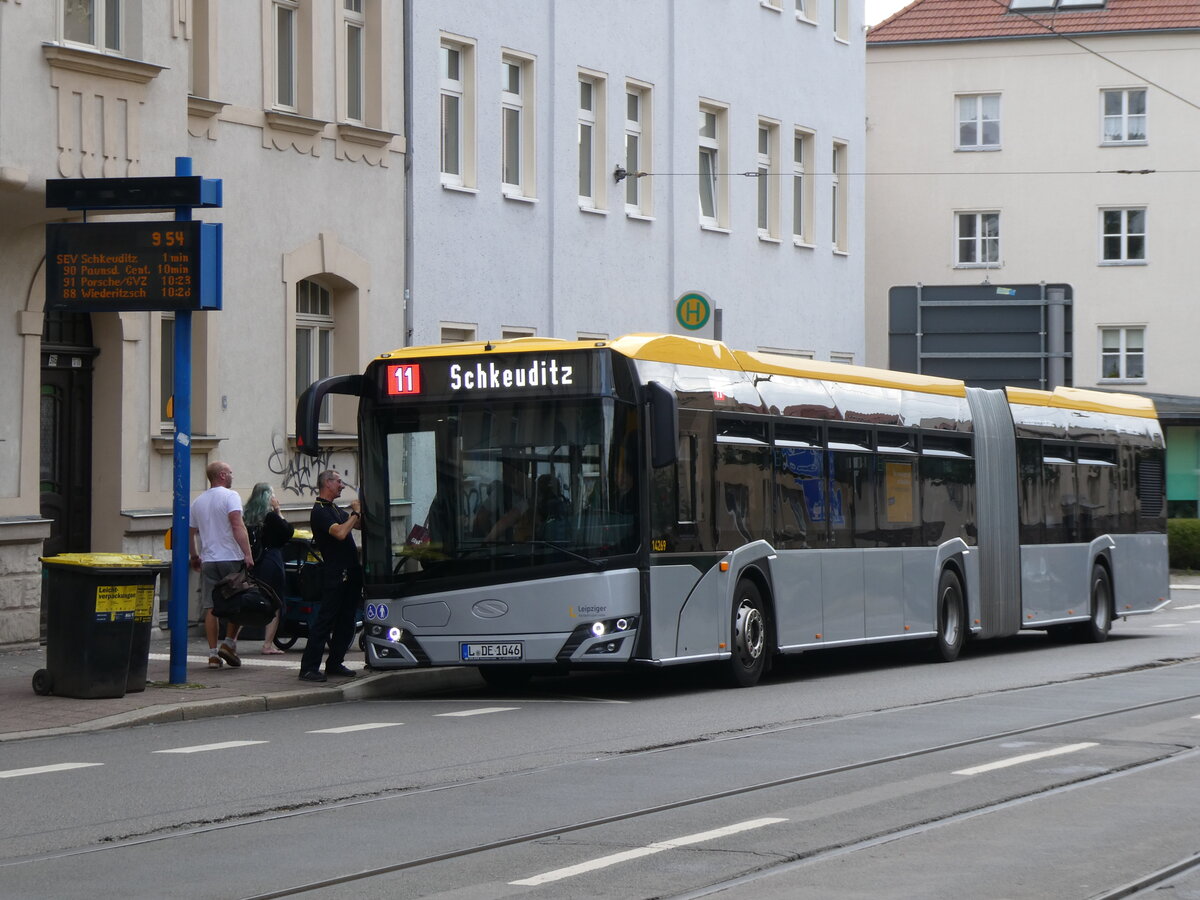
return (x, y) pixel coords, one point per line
(297, 106)
(522, 112)
(1046, 141)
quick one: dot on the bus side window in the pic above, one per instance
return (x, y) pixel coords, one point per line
(898, 489)
(1061, 494)
(1097, 477)
(1029, 491)
(742, 498)
(799, 471)
(947, 489)
(851, 489)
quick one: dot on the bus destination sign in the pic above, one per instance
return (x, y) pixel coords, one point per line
(493, 377)
(119, 266)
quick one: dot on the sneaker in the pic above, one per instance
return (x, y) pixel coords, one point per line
(214, 662)
(313, 676)
(230, 656)
(340, 671)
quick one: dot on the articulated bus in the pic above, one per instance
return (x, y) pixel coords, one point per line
(661, 500)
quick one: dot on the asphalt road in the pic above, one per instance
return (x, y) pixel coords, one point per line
(1025, 769)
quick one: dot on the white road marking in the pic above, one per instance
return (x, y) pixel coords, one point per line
(604, 862)
(201, 748)
(42, 770)
(478, 712)
(1189, 606)
(1028, 757)
(1170, 625)
(1185, 587)
(346, 729)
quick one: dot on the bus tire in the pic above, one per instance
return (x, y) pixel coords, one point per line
(951, 618)
(1095, 629)
(748, 636)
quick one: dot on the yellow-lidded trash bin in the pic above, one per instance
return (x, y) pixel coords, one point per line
(95, 602)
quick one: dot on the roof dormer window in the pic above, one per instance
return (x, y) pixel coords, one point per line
(1037, 5)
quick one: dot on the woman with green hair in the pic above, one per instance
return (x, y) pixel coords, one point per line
(269, 532)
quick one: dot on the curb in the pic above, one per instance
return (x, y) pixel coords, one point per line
(381, 684)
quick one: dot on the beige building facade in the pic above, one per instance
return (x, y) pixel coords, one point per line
(297, 107)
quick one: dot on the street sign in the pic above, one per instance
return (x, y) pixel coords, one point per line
(118, 266)
(133, 193)
(694, 315)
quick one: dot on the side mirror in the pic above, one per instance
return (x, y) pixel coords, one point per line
(308, 408)
(664, 425)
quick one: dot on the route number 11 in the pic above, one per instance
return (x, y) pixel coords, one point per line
(404, 379)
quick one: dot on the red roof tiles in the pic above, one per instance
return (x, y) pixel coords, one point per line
(965, 20)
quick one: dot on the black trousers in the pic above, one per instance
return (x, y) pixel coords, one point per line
(341, 594)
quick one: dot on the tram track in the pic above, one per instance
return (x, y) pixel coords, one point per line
(1182, 752)
(365, 874)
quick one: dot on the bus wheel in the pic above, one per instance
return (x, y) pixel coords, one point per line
(1095, 629)
(748, 636)
(951, 618)
(505, 678)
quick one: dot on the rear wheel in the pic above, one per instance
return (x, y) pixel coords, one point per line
(748, 636)
(1095, 629)
(951, 618)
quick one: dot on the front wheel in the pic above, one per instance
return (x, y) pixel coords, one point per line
(1095, 629)
(951, 618)
(748, 636)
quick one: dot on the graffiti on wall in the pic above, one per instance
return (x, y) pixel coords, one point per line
(299, 471)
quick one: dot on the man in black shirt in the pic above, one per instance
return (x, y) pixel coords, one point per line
(341, 581)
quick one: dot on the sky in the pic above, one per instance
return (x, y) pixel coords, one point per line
(878, 10)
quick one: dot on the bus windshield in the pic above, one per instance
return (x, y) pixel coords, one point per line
(501, 486)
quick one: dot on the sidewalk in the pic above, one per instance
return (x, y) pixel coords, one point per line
(261, 683)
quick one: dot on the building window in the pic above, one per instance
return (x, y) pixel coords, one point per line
(838, 198)
(713, 183)
(839, 356)
(287, 14)
(801, 188)
(788, 351)
(806, 10)
(768, 179)
(457, 81)
(202, 66)
(638, 121)
(979, 122)
(1124, 235)
(512, 332)
(457, 333)
(96, 23)
(1123, 354)
(314, 338)
(841, 20)
(1124, 114)
(978, 239)
(516, 120)
(592, 162)
(354, 26)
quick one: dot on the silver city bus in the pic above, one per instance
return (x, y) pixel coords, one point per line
(660, 500)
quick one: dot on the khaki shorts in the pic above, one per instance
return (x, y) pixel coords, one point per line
(210, 574)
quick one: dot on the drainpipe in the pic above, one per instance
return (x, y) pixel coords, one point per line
(408, 174)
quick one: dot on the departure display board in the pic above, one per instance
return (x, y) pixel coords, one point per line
(118, 266)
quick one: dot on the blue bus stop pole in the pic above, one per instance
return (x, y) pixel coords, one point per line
(177, 610)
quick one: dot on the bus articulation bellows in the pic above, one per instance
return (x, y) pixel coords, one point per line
(540, 505)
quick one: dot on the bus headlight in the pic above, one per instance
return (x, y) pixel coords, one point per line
(598, 629)
(395, 634)
(622, 625)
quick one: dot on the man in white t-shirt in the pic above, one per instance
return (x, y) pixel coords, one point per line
(224, 548)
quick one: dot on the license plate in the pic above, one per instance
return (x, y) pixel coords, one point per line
(509, 650)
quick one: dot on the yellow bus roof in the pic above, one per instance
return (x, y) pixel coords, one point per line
(689, 351)
(1085, 400)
